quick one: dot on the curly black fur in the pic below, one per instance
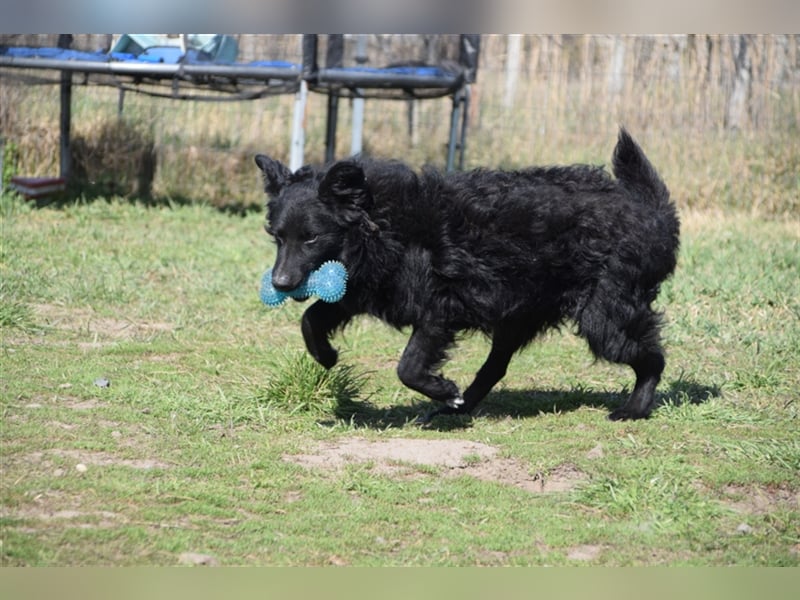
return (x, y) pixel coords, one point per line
(507, 253)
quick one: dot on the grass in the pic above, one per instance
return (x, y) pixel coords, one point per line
(300, 384)
(210, 390)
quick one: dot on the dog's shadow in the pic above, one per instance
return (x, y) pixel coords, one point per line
(515, 404)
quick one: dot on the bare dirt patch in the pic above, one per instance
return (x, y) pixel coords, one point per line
(50, 506)
(99, 329)
(92, 458)
(102, 519)
(84, 405)
(454, 457)
(760, 500)
(584, 552)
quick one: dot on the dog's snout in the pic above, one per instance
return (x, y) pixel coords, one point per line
(283, 282)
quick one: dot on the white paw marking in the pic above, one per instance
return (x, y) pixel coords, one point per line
(455, 402)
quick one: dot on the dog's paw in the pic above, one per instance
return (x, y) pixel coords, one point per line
(625, 414)
(425, 419)
(327, 357)
(455, 402)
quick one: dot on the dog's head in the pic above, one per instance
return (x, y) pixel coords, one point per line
(309, 214)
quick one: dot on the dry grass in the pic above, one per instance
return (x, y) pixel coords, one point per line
(116, 159)
(568, 99)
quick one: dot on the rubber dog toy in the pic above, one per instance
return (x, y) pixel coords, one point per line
(329, 283)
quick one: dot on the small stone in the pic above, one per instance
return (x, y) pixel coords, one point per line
(102, 382)
(58, 473)
(744, 528)
(116, 434)
(596, 452)
(81, 468)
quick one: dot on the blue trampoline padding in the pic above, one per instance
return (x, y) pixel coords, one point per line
(405, 70)
(54, 53)
(281, 64)
(163, 55)
(122, 56)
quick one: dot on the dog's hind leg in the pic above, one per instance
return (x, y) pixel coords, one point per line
(628, 334)
(425, 351)
(648, 369)
(319, 322)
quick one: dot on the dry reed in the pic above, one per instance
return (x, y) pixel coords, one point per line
(570, 95)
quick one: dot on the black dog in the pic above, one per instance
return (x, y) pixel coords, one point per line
(508, 253)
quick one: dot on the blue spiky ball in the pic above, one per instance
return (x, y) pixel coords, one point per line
(329, 283)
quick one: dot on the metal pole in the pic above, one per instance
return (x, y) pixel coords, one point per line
(65, 41)
(120, 103)
(298, 133)
(66, 118)
(357, 136)
(330, 133)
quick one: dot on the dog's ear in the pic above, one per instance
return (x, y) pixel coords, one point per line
(345, 184)
(276, 174)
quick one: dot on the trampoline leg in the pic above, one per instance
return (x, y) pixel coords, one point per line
(464, 125)
(454, 117)
(65, 124)
(297, 150)
(330, 134)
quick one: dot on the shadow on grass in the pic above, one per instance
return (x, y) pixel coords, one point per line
(89, 194)
(516, 404)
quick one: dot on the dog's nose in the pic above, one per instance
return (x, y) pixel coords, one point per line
(283, 282)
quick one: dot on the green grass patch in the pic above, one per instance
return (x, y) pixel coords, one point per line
(211, 436)
(299, 384)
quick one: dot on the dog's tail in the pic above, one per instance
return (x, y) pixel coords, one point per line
(632, 167)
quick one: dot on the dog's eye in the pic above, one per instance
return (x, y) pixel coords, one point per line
(312, 240)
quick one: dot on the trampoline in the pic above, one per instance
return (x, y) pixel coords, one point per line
(189, 67)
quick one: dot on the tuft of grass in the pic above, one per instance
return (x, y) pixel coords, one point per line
(298, 384)
(14, 314)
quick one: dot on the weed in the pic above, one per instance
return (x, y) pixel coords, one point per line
(298, 384)
(15, 314)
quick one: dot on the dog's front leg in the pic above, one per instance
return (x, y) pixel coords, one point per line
(507, 339)
(425, 351)
(319, 322)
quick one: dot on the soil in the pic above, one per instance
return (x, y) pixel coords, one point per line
(101, 330)
(453, 457)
